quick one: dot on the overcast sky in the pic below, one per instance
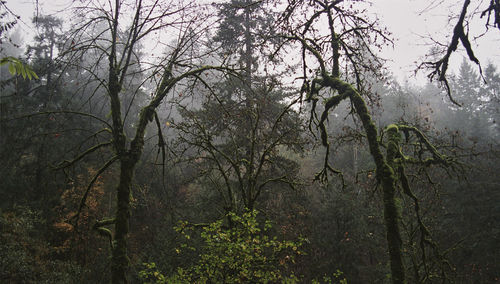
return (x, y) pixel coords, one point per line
(410, 21)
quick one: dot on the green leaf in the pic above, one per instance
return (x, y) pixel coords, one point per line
(12, 69)
(34, 74)
(16, 67)
(22, 71)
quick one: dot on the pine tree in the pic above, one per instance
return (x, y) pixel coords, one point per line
(247, 125)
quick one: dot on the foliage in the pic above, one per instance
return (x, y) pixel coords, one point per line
(337, 277)
(16, 67)
(25, 257)
(244, 252)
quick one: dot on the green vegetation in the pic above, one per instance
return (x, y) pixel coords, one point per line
(16, 67)
(242, 253)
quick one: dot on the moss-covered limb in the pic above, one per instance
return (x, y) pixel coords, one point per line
(105, 232)
(99, 227)
(384, 173)
(449, 164)
(438, 157)
(104, 222)
(393, 144)
(397, 160)
(392, 215)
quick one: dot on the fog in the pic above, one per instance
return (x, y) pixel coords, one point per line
(249, 142)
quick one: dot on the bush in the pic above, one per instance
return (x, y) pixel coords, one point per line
(241, 253)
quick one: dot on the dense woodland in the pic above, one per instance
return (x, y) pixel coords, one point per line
(244, 142)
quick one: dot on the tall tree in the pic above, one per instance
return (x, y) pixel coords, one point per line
(242, 132)
(491, 93)
(139, 19)
(349, 41)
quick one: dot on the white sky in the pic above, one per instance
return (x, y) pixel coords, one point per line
(403, 18)
(413, 21)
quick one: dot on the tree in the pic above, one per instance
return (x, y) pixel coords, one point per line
(241, 132)
(121, 58)
(491, 93)
(30, 139)
(349, 40)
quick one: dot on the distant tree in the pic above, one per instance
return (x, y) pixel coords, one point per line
(491, 93)
(26, 140)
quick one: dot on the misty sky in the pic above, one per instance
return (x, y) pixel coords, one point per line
(410, 21)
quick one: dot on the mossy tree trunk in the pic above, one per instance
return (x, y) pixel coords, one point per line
(129, 154)
(384, 172)
(120, 261)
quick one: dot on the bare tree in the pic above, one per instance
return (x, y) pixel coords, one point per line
(111, 33)
(335, 60)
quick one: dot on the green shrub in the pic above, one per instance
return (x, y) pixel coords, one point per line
(241, 253)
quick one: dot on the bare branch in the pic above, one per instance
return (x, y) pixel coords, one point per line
(83, 201)
(66, 163)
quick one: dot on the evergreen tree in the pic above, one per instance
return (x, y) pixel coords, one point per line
(491, 95)
(247, 125)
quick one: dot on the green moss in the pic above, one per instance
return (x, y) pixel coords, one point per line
(384, 164)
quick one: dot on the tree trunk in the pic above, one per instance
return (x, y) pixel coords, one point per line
(384, 172)
(392, 214)
(120, 260)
